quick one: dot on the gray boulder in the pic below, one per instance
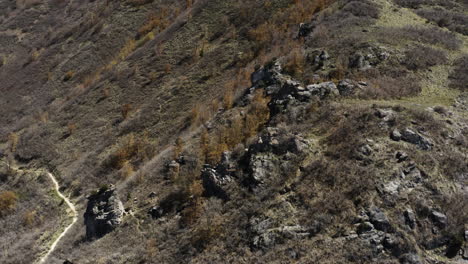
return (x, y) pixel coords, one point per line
(410, 218)
(395, 135)
(322, 90)
(412, 137)
(379, 220)
(346, 87)
(104, 213)
(213, 182)
(439, 219)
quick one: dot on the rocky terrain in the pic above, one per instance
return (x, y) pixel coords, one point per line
(223, 131)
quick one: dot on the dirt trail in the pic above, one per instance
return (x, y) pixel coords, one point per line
(64, 232)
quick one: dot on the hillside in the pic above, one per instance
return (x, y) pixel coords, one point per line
(225, 131)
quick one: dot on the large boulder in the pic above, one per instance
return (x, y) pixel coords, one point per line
(379, 220)
(104, 213)
(214, 182)
(412, 137)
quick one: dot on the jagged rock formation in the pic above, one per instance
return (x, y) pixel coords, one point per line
(104, 213)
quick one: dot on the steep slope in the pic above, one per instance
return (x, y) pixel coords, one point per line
(241, 131)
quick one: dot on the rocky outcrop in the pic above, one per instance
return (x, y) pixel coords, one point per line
(412, 137)
(104, 213)
(347, 87)
(269, 232)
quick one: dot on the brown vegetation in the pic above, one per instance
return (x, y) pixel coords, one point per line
(8, 200)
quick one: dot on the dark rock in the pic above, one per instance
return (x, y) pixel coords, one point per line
(401, 156)
(152, 195)
(364, 228)
(410, 218)
(412, 137)
(379, 220)
(346, 87)
(439, 219)
(156, 212)
(213, 182)
(305, 29)
(104, 213)
(358, 61)
(267, 75)
(67, 262)
(324, 55)
(392, 244)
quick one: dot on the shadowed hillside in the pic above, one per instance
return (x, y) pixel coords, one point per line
(225, 131)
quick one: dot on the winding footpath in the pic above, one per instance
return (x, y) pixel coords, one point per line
(64, 232)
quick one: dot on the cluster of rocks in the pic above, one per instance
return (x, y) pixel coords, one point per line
(273, 154)
(368, 58)
(216, 179)
(104, 213)
(286, 91)
(375, 229)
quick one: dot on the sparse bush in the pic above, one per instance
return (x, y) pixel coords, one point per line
(459, 77)
(454, 21)
(295, 62)
(386, 87)
(13, 139)
(422, 57)
(8, 200)
(125, 110)
(68, 76)
(131, 149)
(424, 35)
(126, 170)
(30, 218)
(362, 8)
(71, 127)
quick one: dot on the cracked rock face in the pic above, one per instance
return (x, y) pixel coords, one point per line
(103, 214)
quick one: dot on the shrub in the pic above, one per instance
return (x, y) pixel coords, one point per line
(362, 8)
(386, 87)
(459, 77)
(454, 21)
(71, 127)
(8, 200)
(30, 218)
(138, 149)
(13, 139)
(426, 35)
(422, 57)
(125, 110)
(68, 76)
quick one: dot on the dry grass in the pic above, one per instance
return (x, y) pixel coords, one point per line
(8, 200)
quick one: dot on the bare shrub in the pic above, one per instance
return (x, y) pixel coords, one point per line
(425, 35)
(13, 139)
(459, 77)
(454, 21)
(125, 110)
(386, 87)
(422, 57)
(362, 8)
